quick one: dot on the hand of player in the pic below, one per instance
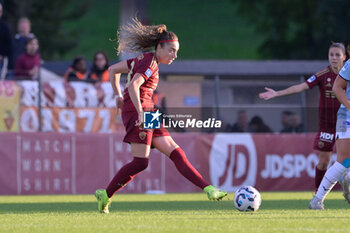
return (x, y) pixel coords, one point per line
(119, 103)
(268, 94)
(139, 121)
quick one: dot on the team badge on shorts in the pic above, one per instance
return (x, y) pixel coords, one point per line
(151, 120)
(142, 135)
(320, 144)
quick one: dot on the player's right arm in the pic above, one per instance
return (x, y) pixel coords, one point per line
(134, 93)
(114, 72)
(270, 93)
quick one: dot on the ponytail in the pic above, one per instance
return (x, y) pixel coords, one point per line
(136, 37)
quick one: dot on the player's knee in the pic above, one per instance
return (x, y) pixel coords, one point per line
(346, 162)
(145, 164)
(179, 151)
(322, 164)
(142, 163)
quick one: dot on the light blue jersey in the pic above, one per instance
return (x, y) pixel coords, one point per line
(345, 74)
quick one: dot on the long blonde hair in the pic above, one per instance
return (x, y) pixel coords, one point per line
(135, 37)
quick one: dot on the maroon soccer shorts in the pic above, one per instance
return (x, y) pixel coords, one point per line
(136, 134)
(324, 141)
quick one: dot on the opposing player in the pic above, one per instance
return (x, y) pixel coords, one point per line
(142, 80)
(328, 106)
(340, 167)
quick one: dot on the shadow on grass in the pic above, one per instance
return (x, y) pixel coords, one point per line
(331, 204)
(160, 206)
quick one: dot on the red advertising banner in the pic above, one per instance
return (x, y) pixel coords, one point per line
(53, 163)
(9, 168)
(267, 161)
(47, 164)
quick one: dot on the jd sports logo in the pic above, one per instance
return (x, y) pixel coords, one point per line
(233, 161)
(151, 120)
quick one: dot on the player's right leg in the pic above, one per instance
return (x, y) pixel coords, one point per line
(321, 167)
(213, 193)
(103, 201)
(324, 150)
(167, 146)
(124, 175)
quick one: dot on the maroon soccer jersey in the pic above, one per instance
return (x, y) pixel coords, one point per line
(328, 104)
(146, 65)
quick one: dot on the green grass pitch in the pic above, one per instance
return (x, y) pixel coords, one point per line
(279, 212)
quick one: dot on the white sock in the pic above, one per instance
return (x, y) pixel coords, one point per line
(341, 177)
(330, 179)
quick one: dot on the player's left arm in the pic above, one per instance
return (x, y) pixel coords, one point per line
(134, 92)
(338, 89)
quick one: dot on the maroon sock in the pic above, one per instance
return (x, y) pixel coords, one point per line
(319, 174)
(126, 174)
(178, 156)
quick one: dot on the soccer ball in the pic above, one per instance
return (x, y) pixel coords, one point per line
(247, 198)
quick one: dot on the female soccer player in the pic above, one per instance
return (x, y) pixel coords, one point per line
(142, 80)
(328, 106)
(340, 167)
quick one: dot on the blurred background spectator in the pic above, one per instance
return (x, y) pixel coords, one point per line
(77, 71)
(28, 64)
(257, 125)
(21, 38)
(241, 124)
(99, 69)
(291, 122)
(297, 126)
(286, 121)
(5, 45)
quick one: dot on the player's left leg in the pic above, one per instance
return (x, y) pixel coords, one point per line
(139, 163)
(167, 146)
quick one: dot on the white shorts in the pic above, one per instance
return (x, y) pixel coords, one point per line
(343, 128)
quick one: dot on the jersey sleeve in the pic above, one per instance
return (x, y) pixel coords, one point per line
(312, 81)
(144, 67)
(345, 71)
